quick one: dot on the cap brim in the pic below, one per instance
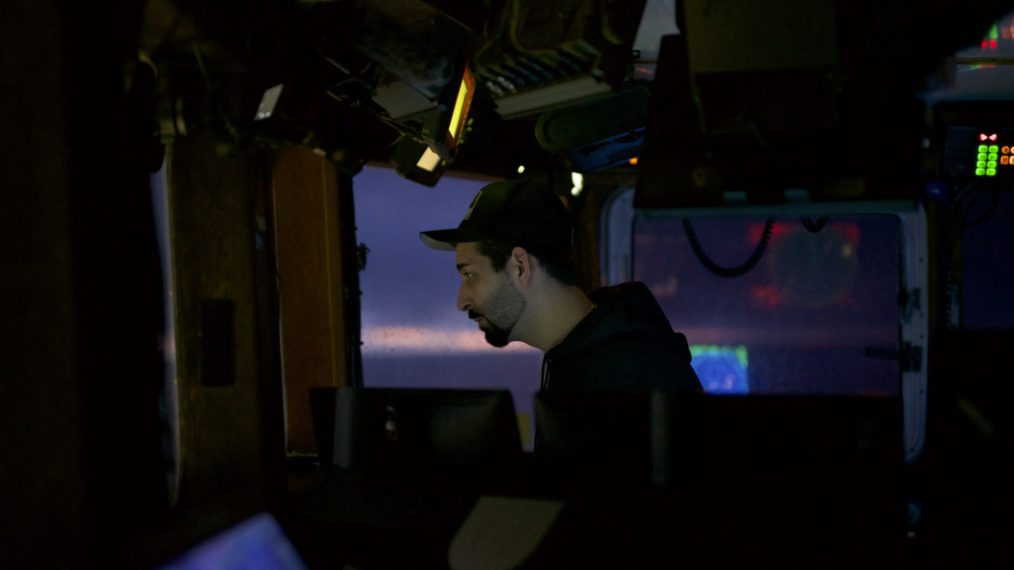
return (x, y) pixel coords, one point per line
(445, 240)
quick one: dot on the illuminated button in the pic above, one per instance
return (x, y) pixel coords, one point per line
(994, 148)
(980, 171)
(1005, 149)
(990, 164)
(1004, 160)
(993, 155)
(981, 156)
(990, 172)
(980, 164)
(983, 148)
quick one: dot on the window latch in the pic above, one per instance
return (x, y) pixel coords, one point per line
(909, 301)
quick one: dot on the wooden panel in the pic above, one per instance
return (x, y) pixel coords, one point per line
(223, 457)
(310, 288)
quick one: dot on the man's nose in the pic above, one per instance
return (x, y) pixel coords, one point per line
(464, 301)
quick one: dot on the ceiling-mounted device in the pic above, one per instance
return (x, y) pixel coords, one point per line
(443, 127)
(542, 55)
(613, 138)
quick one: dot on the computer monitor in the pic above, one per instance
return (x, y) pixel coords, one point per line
(792, 476)
(596, 443)
(415, 437)
(669, 439)
(821, 475)
(257, 543)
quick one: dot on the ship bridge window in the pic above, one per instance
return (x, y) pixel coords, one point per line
(786, 300)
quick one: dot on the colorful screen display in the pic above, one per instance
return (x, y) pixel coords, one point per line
(462, 102)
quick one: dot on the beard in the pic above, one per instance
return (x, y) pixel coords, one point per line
(497, 336)
(501, 311)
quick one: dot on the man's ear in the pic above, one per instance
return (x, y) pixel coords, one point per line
(522, 265)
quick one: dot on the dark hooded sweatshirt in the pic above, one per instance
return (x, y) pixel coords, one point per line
(624, 343)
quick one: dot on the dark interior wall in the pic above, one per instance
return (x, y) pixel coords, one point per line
(966, 473)
(82, 465)
(82, 469)
(963, 479)
(41, 454)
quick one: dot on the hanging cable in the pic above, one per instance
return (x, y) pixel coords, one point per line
(729, 272)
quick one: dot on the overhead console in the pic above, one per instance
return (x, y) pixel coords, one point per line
(418, 84)
(793, 102)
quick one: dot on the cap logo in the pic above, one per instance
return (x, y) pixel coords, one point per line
(471, 207)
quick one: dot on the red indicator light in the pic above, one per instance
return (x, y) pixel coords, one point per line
(982, 136)
(992, 137)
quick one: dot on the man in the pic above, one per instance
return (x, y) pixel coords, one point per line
(513, 251)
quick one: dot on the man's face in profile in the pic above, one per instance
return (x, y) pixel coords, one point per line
(490, 297)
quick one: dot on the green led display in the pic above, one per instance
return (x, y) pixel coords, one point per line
(987, 157)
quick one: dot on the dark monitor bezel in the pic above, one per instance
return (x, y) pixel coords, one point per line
(443, 437)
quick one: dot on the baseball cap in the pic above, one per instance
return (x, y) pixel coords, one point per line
(519, 211)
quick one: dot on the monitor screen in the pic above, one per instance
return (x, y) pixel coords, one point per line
(419, 437)
(257, 543)
(444, 125)
(459, 113)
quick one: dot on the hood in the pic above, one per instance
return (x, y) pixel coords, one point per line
(627, 308)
